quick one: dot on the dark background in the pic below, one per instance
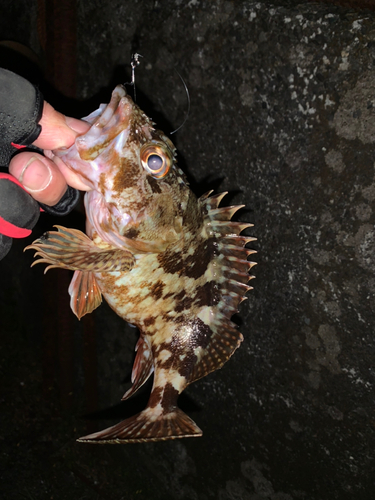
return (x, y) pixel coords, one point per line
(283, 117)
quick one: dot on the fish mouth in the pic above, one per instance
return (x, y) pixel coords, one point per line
(110, 124)
(107, 122)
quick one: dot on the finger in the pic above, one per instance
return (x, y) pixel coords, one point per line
(71, 177)
(39, 176)
(58, 130)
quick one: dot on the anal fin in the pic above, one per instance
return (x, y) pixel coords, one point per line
(145, 427)
(85, 294)
(142, 368)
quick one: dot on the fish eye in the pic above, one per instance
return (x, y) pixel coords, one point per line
(156, 160)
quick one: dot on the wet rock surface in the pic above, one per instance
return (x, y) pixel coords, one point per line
(283, 117)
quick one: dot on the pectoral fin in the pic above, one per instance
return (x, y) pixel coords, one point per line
(72, 249)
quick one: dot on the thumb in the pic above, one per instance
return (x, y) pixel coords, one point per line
(39, 176)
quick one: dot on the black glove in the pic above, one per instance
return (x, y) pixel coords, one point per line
(21, 108)
(19, 212)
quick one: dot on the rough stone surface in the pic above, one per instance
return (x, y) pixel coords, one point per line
(283, 117)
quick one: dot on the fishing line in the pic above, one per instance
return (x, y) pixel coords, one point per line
(188, 100)
(134, 62)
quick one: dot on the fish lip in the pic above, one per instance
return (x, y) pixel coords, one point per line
(116, 115)
(119, 102)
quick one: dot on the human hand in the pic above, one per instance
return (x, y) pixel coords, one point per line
(44, 179)
(26, 120)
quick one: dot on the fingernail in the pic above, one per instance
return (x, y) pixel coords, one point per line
(76, 125)
(35, 175)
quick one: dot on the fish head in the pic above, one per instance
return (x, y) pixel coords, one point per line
(137, 194)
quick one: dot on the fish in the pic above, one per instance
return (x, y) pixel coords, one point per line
(174, 265)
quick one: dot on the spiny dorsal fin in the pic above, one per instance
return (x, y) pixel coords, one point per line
(212, 202)
(227, 228)
(231, 278)
(224, 213)
(205, 196)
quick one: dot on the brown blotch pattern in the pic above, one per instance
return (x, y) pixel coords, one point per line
(179, 296)
(131, 233)
(187, 365)
(155, 397)
(149, 321)
(183, 304)
(207, 294)
(102, 183)
(181, 319)
(169, 400)
(156, 290)
(202, 334)
(196, 264)
(171, 261)
(127, 176)
(154, 185)
(168, 363)
(192, 215)
(192, 266)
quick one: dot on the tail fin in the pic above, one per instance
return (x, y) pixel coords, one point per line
(147, 426)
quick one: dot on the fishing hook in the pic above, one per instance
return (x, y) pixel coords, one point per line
(134, 62)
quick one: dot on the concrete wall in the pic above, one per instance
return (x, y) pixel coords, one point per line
(282, 117)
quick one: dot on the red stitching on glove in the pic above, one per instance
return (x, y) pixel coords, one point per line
(17, 146)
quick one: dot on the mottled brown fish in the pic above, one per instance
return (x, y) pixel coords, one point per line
(171, 264)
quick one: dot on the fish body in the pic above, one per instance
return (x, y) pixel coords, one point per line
(171, 264)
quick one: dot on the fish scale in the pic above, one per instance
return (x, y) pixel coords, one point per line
(173, 265)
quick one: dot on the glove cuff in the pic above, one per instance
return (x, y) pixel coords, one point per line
(65, 205)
